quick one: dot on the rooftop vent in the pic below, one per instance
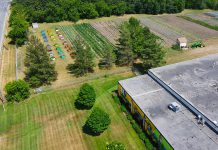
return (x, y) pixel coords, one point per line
(174, 106)
(200, 120)
(215, 122)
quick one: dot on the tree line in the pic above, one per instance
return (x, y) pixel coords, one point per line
(202, 4)
(25, 12)
(18, 25)
(73, 10)
(137, 44)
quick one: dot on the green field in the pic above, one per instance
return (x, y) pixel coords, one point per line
(50, 121)
(98, 43)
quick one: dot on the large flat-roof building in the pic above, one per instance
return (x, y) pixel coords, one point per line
(193, 85)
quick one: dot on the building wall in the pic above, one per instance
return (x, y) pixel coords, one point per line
(183, 44)
(148, 125)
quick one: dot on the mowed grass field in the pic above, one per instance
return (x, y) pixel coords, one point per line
(50, 121)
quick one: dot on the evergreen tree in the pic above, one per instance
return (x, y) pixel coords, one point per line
(107, 61)
(152, 54)
(137, 42)
(97, 122)
(86, 97)
(84, 62)
(124, 53)
(39, 71)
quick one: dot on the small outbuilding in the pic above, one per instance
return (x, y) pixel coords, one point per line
(35, 25)
(182, 42)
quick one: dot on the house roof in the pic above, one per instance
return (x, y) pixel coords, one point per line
(182, 40)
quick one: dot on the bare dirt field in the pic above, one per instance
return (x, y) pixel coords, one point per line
(166, 33)
(205, 18)
(109, 29)
(171, 27)
(199, 31)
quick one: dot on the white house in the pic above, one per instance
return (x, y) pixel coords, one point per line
(182, 42)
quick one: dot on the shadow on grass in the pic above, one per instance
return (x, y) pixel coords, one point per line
(88, 131)
(80, 106)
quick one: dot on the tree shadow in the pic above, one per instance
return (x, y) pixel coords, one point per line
(138, 67)
(80, 106)
(88, 131)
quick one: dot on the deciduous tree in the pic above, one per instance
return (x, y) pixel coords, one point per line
(17, 91)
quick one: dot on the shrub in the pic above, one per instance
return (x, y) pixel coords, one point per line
(151, 145)
(115, 146)
(117, 100)
(17, 91)
(137, 128)
(97, 122)
(123, 109)
(86, 97)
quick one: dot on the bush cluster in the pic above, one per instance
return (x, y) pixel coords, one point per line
(115, 146)
(97, 122)
(17, 91)
(142, 135)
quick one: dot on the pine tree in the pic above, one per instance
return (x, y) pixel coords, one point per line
(107, 61)
(152, 54)
(86, 98)
(137, 42)
(124, 53)
(97, 122)
(39, 71)
(84, 62)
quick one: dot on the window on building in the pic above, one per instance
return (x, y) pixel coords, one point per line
(123, 92)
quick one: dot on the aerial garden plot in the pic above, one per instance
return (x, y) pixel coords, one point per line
(171, 27)
(109, 29)
(98, 43)
(204, 17)
(194, 29)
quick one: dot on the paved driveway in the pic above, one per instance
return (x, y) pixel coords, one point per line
(3, 13)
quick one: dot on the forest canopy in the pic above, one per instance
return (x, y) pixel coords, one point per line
(73, 10)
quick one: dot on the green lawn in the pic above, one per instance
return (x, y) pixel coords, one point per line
(50, 121)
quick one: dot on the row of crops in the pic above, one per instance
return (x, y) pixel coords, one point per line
(109, 29)
(205, 18)
(85, 32)
(166, 30)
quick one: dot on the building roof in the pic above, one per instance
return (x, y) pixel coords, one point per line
(196, 81)
(182, 40)
(191, 79)
(35, 25)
